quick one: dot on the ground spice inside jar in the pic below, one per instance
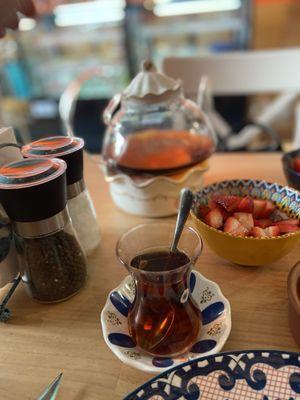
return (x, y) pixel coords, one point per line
(55, 266)
(5, 239)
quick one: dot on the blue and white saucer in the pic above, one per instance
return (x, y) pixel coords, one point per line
(216, 315)
(241, 375)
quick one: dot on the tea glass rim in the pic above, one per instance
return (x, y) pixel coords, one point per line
(162, 272)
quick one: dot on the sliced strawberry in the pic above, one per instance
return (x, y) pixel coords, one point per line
(224, 213)
(214, 218)
(290, 221)
(258, 208)
(203, 211)
(245, 219)
(258, 232)
(287, 228)
(263, 223)
(271, 231)
(245, 205)
(212, 203)
(297, 164)
(234, 227)
(269, 208)
(229, 203)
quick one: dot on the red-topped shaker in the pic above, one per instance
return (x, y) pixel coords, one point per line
(33, 194)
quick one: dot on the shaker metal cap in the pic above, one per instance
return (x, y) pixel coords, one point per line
(30, 172)
(149, 83)
(54, 146)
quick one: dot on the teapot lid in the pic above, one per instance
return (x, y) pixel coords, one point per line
(151, 86)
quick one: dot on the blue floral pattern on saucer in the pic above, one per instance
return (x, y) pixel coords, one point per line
(243, 375)
(215, 331)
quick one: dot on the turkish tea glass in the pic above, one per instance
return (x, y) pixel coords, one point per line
(164, 320)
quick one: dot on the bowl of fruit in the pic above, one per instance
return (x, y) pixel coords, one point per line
(248, 222)
(291, 167)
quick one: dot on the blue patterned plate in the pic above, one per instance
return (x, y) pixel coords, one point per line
(242, 375)
(214, 333)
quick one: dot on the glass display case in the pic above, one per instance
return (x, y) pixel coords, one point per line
(160, 28)
(71, 39)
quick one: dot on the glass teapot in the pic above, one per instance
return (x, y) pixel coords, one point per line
(156, 129)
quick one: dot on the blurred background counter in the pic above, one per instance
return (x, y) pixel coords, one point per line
(72, 39)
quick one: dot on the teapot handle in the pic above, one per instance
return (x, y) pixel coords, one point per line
(111, 108)
(68, 100)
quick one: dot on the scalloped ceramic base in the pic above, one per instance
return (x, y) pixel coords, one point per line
(156, 196)
(216, 315)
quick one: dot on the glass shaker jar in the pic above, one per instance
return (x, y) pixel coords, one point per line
(33, 194)
(80, 205)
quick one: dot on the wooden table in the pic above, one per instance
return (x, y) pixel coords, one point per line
(42, 340)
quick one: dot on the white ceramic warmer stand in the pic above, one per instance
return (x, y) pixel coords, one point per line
(156, 197)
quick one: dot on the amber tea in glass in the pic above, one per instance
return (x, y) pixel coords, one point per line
(163, 320)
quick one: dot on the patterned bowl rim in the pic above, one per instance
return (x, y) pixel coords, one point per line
(200, 167)
(286, 158)
(203, 358)
(220, 342)
(249, 238)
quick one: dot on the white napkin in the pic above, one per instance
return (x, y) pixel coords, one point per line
(8, 154)
(9, 267)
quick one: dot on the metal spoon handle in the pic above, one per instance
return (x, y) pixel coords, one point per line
(185, 204)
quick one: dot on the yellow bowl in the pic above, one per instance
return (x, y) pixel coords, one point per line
(249, 250)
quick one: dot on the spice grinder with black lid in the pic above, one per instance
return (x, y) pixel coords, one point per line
(81, 208)
(33, 194)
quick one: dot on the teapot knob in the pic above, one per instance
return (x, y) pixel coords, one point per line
(147, 65)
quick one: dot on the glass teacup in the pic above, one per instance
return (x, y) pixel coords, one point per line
(163, 320)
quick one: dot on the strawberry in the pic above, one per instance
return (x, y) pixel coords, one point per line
(214, 218)
(263, 223)
(203, 211)
(291, 221)
(245, 219)
(229, 203)
(258, 232)
(234, 227)
(245, 205)
(258, 208)
(212, 203)
(224, 213)
(271, 231)
(285, 228)
(269, 208)
(297, 164)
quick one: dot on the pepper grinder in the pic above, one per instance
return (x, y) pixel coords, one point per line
(33, 194)
(81, 208)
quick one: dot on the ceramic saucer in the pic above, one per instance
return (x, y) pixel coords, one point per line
(214, 333)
